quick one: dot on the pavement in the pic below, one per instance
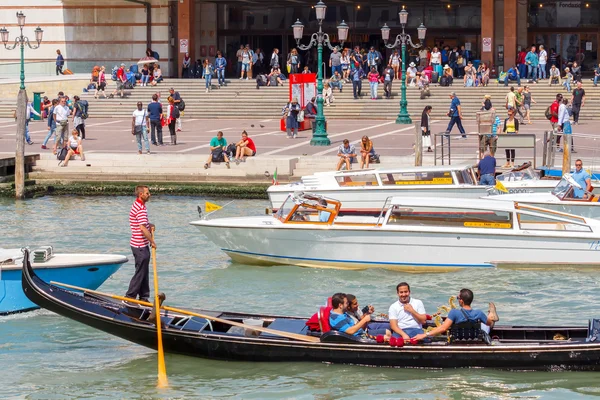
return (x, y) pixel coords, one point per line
(393, 142)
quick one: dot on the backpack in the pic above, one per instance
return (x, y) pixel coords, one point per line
(181, 105)
(61, 155)
(83, 107)
(548, 113)
(175, 113)
(113, 73)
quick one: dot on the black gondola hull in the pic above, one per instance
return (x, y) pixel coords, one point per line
(107, 315)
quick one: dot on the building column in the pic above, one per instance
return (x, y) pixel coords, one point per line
(185, 32)
(487, 31)
(510, 33)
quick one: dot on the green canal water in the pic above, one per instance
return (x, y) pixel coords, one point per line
(45, 356)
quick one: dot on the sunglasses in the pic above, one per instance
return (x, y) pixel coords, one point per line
(579, 165)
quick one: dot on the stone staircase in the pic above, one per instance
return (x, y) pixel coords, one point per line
(241, 100)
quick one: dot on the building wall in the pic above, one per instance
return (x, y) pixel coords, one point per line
(86, 32)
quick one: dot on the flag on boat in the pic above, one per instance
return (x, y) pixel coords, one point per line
(500, 187)
(275, 178)
(210, 207)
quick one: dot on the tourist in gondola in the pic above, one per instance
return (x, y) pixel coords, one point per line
(341, 322)
(407, 315)
(464, 314)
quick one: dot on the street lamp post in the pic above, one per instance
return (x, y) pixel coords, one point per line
(403, 39)
(21, 41)
(319, 39)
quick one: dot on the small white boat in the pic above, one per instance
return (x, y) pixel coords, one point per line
(368, 189)
(409, 234)
(561, 198)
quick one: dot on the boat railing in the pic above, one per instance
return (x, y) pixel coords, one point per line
(386, 204)
(446, 149)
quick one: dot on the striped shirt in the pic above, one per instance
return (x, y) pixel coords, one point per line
(342, 322)
(138, 216)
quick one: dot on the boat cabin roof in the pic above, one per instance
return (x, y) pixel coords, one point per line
(438, 168)
(477, 204)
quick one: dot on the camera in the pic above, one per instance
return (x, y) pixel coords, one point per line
(365, 310)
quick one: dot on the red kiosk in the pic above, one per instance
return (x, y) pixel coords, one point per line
(303, 87)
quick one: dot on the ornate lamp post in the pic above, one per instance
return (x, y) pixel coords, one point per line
(403, 39)
(319, 39)
(21, 41)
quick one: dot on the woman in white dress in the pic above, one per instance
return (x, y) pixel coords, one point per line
(395, 61)
(425, 130)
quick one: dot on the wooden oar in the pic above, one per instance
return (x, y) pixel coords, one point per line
(163, 382)
(289, 335)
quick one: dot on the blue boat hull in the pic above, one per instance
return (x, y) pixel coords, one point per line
(13, 300)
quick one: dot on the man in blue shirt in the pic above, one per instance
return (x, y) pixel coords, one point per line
(513, 75)
(340, 321)
(596, 75)
(464, 314)
(455, 115)
(583, 179)
(155, 113)
(487, 169)
(532, 62)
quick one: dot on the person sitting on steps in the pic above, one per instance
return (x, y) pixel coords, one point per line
(244, 148)
(75, 148)
(218, 145)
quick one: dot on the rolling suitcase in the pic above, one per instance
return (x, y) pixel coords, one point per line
(435, 77)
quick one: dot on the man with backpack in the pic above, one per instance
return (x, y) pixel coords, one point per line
(121, 80)
(218, 153)
(80, 114)
(179, 103)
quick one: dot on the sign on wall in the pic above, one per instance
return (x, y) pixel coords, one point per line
(183, 45)
(487, 44)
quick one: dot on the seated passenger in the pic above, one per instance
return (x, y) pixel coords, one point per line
(323, 215)
(407, 315)
(373, 328)
(464, 314)
(341, 322)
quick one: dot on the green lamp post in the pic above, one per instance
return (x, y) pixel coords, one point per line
(319, 39)
(21, 41)
(402, 40)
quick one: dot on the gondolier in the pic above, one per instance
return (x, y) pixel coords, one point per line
(141, 237)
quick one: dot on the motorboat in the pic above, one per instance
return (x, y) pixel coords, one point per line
(409, 234)
(271, 338)
(368, 189)
(561, 198)
(86, 270)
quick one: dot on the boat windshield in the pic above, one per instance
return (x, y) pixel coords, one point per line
(417, 178)
(465, 176)
(562, 189)
(357, 180)
(526, 174)
(285, 208)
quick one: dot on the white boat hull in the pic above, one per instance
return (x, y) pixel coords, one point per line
(411, 251)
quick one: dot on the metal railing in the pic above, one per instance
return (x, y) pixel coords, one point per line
(552, 146)
(464, 150)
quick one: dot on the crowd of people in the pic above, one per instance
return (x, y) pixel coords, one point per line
(407, 316)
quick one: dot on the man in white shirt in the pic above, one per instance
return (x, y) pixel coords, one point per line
(140, 124)
(61, 116)
(543, 59)
(407, 315)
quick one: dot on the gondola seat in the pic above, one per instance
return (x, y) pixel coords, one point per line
(468, 333)
(341, 337)
(323, 315)
(286, 325)
(194, 324)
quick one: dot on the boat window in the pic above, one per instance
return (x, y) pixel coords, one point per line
(357, 180)
(552, 214)
(541, 223)
(467, 176)
(450, 217)
(526, 174)
(417, 178)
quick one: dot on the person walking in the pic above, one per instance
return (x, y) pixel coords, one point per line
(207, 73)
(185, 66)
(335, 61)
(180, 104)
(172, 116)
(425, 128)
(51, 125)
(60, 63)
(395, 61)
(141, 238)
(155, 111)
(246, 63)
(373, 82)
(220, 64)
(140, 124)
(102, 83)
(564, 124)
(30, 110)
(357, 75)
(455, 115)
(527, 100)
(80, 110)
(61, 116)
(388, 78)
(578, 101)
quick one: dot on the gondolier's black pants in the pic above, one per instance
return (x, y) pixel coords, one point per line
(139, 287)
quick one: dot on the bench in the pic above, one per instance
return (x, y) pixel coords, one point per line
(286, 325)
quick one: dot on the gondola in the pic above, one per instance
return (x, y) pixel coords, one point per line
(512, 347)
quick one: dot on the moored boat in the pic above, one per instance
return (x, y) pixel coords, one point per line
(85, 270)
(409, 234)
(368, 189)
(562, 198)
(547, 348)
